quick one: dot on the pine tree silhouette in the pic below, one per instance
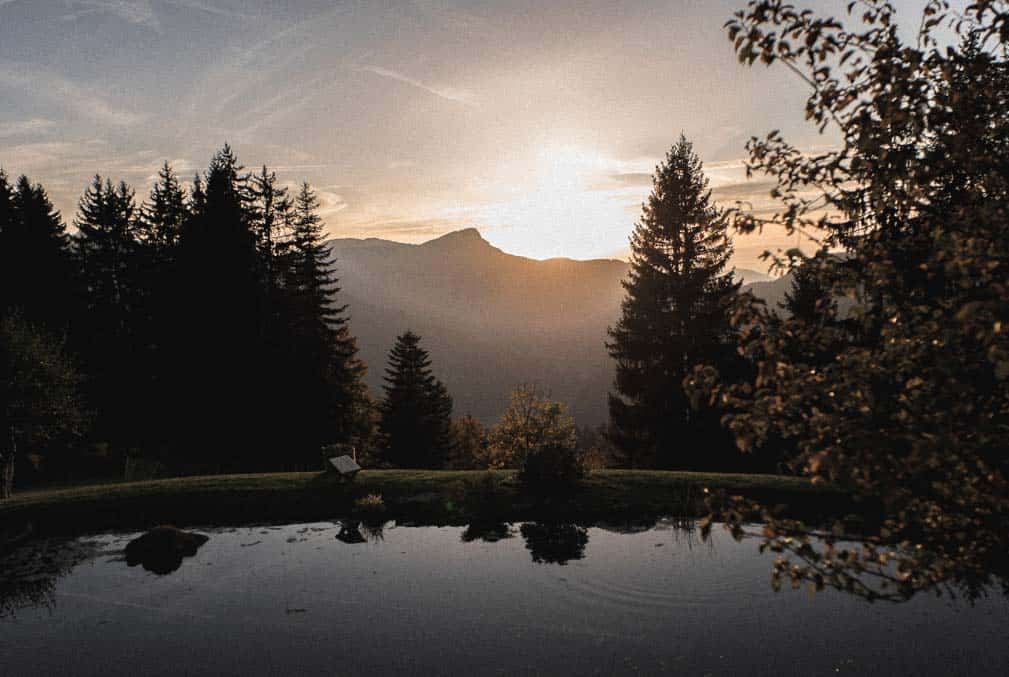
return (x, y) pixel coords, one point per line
(674, 316)
(36, 268)
(328, 391)
(107, 331)
(417, 410)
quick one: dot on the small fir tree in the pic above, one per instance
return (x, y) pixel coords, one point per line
(416, 412)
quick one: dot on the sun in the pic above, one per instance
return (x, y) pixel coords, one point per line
(564, 202)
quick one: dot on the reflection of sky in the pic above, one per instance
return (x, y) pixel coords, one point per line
(295, 600)
(536, 122)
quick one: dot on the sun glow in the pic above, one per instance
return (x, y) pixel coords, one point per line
(564, 190)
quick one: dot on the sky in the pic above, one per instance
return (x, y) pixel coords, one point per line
(539, 123)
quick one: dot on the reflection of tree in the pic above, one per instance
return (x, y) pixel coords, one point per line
(489, 532)
(354, 532)
(868, 567)
(350, 533)
(554, 543)
(29, 574)
(162, 549)
(373, 530)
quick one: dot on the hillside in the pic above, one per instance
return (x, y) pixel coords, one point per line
(491, 320)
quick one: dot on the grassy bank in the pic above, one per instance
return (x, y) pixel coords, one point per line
(431, 497)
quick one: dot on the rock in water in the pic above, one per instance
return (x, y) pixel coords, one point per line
(162, 549)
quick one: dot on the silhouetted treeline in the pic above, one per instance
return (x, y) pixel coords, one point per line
(205, 320)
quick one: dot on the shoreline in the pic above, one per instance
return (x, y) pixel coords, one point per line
(412, 496)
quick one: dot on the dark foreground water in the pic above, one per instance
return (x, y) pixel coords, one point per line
(314, 599)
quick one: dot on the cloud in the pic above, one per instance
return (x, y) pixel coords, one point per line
(21, 127)
(212, 9)
(137, 12)
(57, 89)
(448, 93)
(632, 179)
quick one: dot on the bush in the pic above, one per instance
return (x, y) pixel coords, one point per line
(551, 466)
(370, 508)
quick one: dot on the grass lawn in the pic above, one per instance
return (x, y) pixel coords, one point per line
(421, 496)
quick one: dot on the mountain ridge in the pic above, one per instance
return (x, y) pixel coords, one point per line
(490, 319)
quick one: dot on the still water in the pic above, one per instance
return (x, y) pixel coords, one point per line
(327, 598)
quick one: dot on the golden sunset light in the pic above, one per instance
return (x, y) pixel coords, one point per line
(504, 337)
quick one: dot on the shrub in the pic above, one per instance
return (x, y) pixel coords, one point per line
(369, 504)
(552, 466)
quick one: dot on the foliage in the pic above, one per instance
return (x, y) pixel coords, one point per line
(36, 268)
(537, 435)
(675, 315)
(469, 444)
(595, 447)
(531, 421)
(912, 411)
(553, 466)
(369, 505)
(326, 393)
(206, 321)
(110, 330)
(416, 412)
(38, 394)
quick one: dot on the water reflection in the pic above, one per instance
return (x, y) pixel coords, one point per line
(350, 533)
(555, 543)
(162, 549)
(470, 600)
(28, 574)
(354, 532)
(488, 532)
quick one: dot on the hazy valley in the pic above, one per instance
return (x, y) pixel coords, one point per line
(490, 319)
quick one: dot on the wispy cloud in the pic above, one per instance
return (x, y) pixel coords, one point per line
(212, 9)
(137, 12)
(57, 89)
(20, 127)
(462, 96)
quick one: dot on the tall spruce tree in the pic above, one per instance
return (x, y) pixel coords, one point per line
(416, 414)
(674, 316)
(164, 213)
(106, 332)
(7, 215)
(223, 403)
(6, 202)
(323, 359)
(36, 268)
(159, 226)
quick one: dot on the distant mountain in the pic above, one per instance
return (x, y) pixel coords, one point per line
(748, 276)
(491, 320)
(772, 291)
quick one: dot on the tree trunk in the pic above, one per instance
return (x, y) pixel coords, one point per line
(7, 469)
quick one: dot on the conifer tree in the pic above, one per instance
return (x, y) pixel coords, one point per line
(161, 219)
(416, 412)
(6, 202)
(809, 298)
(6, 241)
(674, 316)
(221, 397)
(112, 301)
(36, 271)
(163, 215)
(271, 215)
(324, 353)
(107, 248)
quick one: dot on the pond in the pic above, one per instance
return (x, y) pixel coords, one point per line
(332, 598)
